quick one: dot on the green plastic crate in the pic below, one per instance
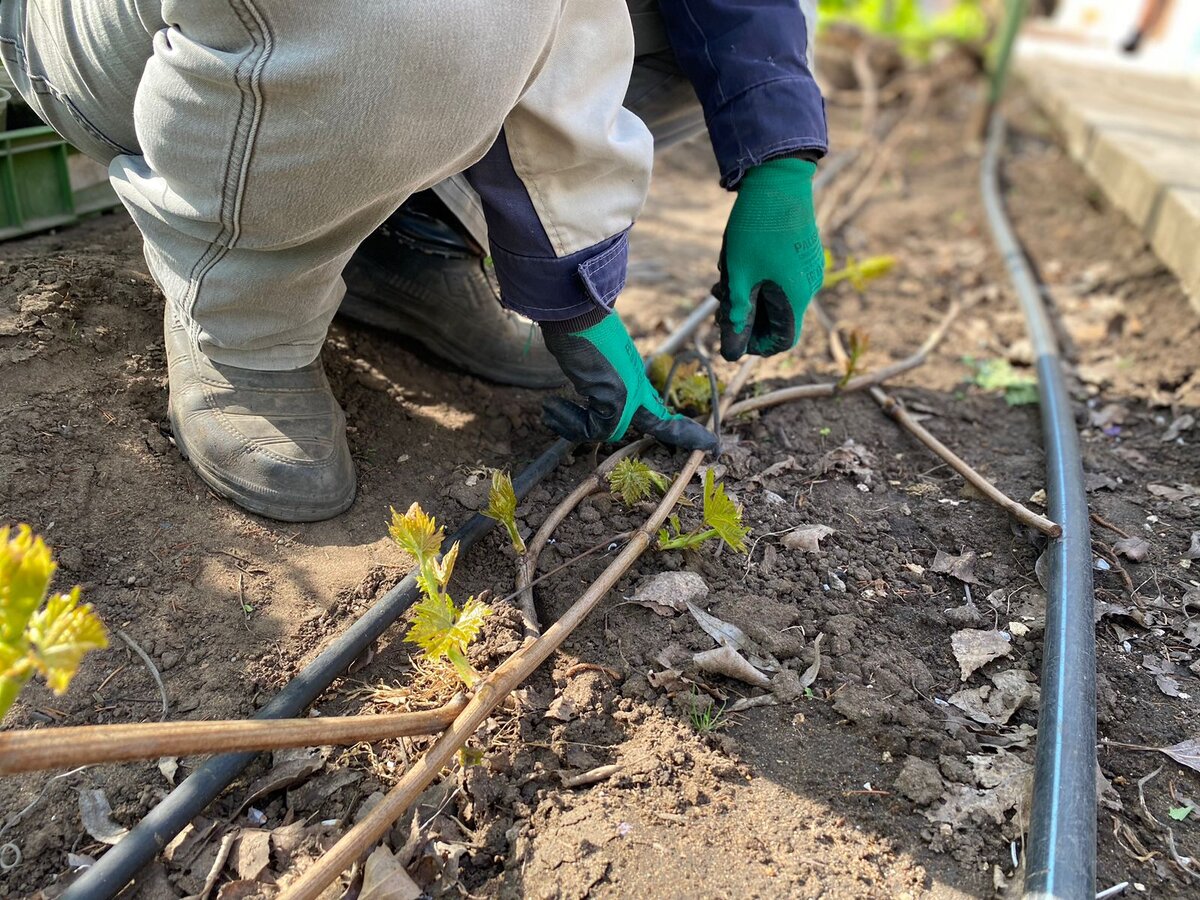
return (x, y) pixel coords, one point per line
(35, 184)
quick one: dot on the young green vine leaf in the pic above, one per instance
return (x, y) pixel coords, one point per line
(50, 640)
(443, 631)
(722, 516)
(857, 344)
(673, 537)
(859, 274)
(633, 480)
(440, 628)
(502, 506)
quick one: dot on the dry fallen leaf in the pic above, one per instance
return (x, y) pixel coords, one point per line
(810, 674)
(807, 538)
(965, 616)
(960, 567)
(169, 765)
(724, 660)
(1004, 781)
(974, 648)
(96, 815)
(1186, 753)
(670, 680)
(312, 793)
(784, 465)
(668, 593)
(729, 635)
(385, 879)
(253, 853)
(288, 767)
(1179, 426)
(851, 458)
(1133, 547)
(1180, 491)
(996, 704)
(1168, 686)
(242, 889)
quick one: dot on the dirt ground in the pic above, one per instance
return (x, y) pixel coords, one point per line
(893, 776)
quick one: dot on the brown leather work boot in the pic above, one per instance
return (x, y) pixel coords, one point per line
(272, 442)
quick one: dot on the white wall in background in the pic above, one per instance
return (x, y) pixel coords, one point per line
(1175, 42)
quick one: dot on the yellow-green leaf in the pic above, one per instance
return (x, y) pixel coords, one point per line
(417, 533)
(25, 572)
(633, 480)
(442, 630)
(502, 506)
(61, 633)
(722, 515)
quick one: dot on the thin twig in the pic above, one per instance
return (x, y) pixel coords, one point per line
(537, 543)
(608, 544)
(579, 668)
(1104, 523)
(896, 411)
(864, 187)
(1145, 810)
(861, 63)
(1018, 511)
(592, 776)
(10, 853)
(218, 864)
(1110, 556)
(242, 602)
(162, 688)
(859, 382)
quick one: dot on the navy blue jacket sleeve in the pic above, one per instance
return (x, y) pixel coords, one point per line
(534, 280)
(746, 60)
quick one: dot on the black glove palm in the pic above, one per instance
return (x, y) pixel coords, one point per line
(598, 356)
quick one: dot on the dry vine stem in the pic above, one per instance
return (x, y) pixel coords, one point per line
(491, 692)
(528, 566)
(900, 415)
(55, 748)
(864, 188)
(536, 650)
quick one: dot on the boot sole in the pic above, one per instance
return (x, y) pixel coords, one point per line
(255, 503)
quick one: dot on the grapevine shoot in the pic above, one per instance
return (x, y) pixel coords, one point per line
(49, 640)
(440, 628)
(502, 506)
(722, 516)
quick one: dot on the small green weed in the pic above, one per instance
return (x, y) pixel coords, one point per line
(706, 718)
(1020, 389)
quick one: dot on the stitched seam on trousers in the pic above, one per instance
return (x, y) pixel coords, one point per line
(67, 103)
(230, 209)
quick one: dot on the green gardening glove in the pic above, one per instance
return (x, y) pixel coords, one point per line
(597, 354)
(771, 261)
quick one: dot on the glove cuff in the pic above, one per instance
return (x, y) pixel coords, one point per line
(577, 324)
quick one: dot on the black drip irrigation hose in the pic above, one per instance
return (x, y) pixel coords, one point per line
(1060, 859)
(137, 849)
